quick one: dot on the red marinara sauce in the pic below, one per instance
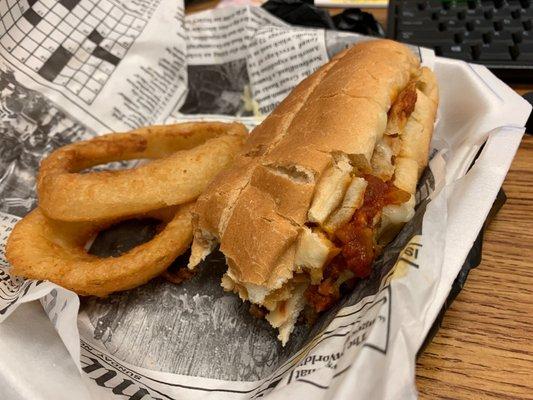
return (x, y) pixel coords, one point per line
(356, 240)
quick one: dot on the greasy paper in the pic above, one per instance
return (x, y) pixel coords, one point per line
(194, 340)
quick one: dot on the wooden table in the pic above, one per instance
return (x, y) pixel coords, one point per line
(484, 348)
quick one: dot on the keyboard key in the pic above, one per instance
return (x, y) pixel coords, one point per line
(455, 51)
(440, 13)
(506, 23)
(431, 44)
(459, 37)
(491, 53)
(474, 13)
(515, 13)
(489, 13)
(479, 24)
(472, 36)
(498, 36)
(513, 25)
(517, 36)
(433, 12)
(527, 39)
(506, 43)
(469, 38)
(502, 12)
(470, 43)
(498, 25)
(484, 6)
(420, 28)
(526, 57)
(452, 25)
(450, 18)
(494, 57)
(413, 14)
(415, 24)
(427, 36)
(434, 3)
(409, 8)
(526, 48)
(527, 36)
(523, 52)
(525, 13)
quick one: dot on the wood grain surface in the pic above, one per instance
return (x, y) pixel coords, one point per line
(484, 348)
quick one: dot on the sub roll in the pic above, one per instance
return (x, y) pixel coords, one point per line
(322, 184)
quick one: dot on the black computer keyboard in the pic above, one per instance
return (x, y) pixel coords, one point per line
(497, 34)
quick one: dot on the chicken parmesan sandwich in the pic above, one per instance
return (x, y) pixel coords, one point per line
(322, 184)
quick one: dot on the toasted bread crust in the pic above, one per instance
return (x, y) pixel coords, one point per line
(258, 208)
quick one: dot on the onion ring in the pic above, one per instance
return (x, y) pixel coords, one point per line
(190, 155)
(41, 248)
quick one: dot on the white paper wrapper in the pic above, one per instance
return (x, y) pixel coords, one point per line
(193, 340)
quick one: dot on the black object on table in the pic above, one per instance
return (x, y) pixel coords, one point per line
(304, 13)
(497, 33)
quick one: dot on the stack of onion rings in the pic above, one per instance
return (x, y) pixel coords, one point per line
(50, 242)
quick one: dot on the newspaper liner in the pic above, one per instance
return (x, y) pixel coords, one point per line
(241, 62)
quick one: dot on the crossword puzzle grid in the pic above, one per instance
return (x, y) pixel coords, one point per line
(73, 43)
